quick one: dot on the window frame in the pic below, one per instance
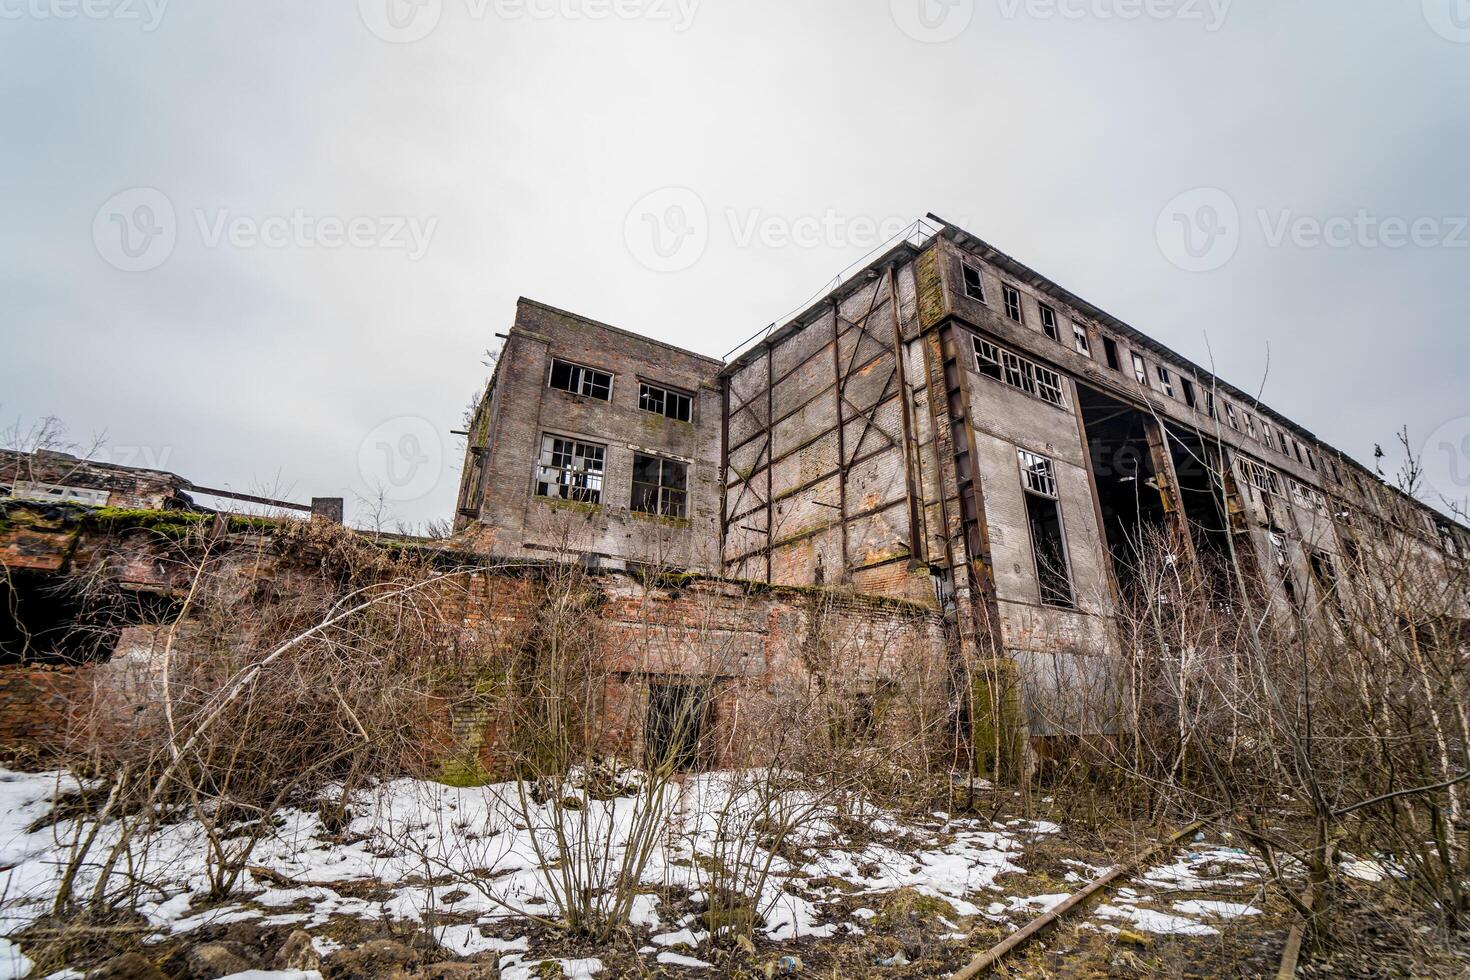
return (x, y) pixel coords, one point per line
(1038, 477)
(1166, 381)
(661, 488)
(1011, 297)
(978, 292)
(1049, 322)
(576, 446)
(1140, 368)
(1081, 343)
(586, 370)
(645, 387)
(1021, 373)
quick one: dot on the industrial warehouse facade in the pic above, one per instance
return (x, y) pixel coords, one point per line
(947, 427)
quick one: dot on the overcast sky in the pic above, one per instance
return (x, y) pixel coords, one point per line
(265, 244)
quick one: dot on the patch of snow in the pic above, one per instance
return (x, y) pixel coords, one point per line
(1160, 923)
(1221, 910)
(676, 959)
(13, 963)
(683, 936)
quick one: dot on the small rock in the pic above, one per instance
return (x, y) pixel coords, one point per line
(297, 953)
(211, 960)
(371, 960)
(128, 966)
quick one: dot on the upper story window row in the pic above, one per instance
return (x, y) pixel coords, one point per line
(1150, 373)
(578, 379)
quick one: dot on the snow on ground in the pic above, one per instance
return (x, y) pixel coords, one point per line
(470, 852)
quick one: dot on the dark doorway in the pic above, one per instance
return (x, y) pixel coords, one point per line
(677, 714)
(1127, 486)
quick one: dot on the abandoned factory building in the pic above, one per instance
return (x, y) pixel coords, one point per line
(947, 426)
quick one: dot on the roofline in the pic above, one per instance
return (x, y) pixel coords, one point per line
(618, 330)
(904, 250)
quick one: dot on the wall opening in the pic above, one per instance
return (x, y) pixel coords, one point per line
(1123, 471)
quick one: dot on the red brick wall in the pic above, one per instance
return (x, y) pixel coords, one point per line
(36, 708)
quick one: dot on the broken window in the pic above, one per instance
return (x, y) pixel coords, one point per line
(1190, 398)
(1079, 340)
(1232, 417)
(1165, 380)
(1250, 425)
(987, 359)
(1013, 303)
(570, 470)
(1049, 322)
(1312, 460)
(665, 401)
(1018, 372)
(1140, 370)
(1298, 447)
(1259, 476)
(974, 285)
(566, 376)
(1044, 514)
(1285, 446)
(1110, 351)
(660, 486)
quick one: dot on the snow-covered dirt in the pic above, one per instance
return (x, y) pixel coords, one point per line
(463, 864)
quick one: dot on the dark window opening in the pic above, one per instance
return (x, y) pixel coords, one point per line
(579, 380)
(1110, 352)
(675, 724)
(974, 285)
(1324, 577)
(1013, 303)
(1049, 322)
(660, 486)
(570, 470)
(1048, 542)
(664, 401)
(1190, 398)
(1123, 471)
(1140, 370)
